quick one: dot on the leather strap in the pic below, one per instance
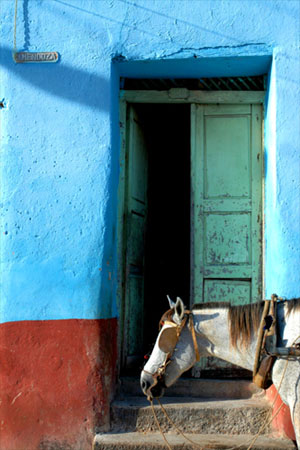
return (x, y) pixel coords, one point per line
(192, 330)
(260, 337)
(188, 314)
(262, 365)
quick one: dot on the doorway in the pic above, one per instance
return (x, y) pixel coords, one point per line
(157, 198)
(191, 219)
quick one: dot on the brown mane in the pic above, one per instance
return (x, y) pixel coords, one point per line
(244, 320)
(293, 305)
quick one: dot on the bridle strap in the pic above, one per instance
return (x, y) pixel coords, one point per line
(193, 333)
(188, 314)
(179, 328)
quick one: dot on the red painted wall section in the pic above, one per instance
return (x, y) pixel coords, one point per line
(282, 423)
(57, 379)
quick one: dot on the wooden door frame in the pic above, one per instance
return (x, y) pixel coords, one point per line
(172, 96)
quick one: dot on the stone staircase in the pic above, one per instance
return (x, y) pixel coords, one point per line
(215, 414)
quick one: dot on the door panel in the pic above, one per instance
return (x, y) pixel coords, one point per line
(226, 177)
(227, 168)
(135, 249)
(135, 314)
(234, 291)
(226, 239)
(135, 219)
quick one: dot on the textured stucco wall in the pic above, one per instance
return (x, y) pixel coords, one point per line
(282, 174)
(56, 382)
(60, 142)
(60, 170)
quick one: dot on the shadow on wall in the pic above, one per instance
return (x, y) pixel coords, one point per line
(289, 9)
(62, 81)
(153, 13)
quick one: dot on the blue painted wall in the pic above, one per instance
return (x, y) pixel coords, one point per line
(60, 141)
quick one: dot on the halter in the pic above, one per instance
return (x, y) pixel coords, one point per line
(169, 337)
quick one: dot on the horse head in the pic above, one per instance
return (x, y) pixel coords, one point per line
(174, 351)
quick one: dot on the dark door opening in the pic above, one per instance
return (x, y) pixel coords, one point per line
(166, 130)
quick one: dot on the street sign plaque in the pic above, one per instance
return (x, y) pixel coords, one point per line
(36, 57)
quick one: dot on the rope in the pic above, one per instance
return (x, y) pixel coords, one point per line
(15, 26)
(268, 422)
(264, 425)
(158, 425)
(179, 431)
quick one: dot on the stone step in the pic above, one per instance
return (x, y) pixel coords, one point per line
(191, 415)
(155, 441)
(192, 387)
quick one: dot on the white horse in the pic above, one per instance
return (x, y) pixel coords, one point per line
(226, 332)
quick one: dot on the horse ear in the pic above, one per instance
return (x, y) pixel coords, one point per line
(172, 304)
(179, 309)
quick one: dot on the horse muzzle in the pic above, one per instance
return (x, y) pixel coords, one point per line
(152, 387)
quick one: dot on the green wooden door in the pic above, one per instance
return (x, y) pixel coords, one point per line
(226, 204)
(135, 219)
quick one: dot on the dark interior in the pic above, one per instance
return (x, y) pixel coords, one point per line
(167, 246)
